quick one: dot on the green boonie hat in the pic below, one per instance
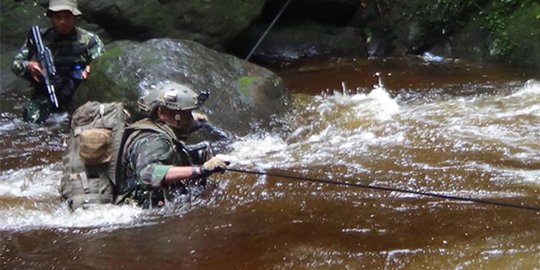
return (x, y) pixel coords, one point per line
(59, 5)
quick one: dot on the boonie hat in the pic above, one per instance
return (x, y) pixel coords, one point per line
(95, 146)
(59, 5)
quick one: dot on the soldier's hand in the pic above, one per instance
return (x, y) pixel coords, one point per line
(213, 165)
(34, 69)
(85, 72)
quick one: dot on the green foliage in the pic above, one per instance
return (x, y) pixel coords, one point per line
(440, 11)
(523, 31)
(496, 17)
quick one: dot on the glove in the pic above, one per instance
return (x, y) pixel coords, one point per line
(213, 165)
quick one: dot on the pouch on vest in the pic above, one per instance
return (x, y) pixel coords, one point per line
(90, 159)
(95, 146)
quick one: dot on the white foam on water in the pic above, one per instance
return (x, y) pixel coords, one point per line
(29, 182)
(256, 147)
(29, 199)
(327, 135)
(377, 104)
(59, 216)
(361, 131)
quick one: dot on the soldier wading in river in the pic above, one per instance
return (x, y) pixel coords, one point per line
(156, 162)
(144, 163)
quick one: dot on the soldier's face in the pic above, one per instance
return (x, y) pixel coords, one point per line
(63, 21)
(182, 121)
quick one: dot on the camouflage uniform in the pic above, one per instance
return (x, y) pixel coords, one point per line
(152, 146)
(148, 155)
(71, 54)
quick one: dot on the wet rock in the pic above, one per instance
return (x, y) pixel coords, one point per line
(17, 18)
(210, 22)
(8, 81)
(242, 95)
(290, 43)
(331, 12)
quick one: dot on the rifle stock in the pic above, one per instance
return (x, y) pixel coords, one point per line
(47, 65)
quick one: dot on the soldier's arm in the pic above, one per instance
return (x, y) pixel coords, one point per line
(95, 47)
(153, 158)
(22, 58)
(177, 173)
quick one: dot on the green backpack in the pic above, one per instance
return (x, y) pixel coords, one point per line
(91, 156)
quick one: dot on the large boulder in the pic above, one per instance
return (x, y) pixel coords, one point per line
(300, 41)
(210, 22)
(9, 82)
(242, 95)
(16, 18)
(332, 12)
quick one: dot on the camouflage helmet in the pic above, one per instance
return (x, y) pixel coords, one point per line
(171, 95)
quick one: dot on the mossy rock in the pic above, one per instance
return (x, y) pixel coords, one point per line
(242, 95)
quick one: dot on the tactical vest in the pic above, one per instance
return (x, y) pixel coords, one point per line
(124, 187)
(70, 54)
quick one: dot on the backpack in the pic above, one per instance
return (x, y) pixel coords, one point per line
(91, 156)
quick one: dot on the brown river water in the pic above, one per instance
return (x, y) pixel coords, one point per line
(453, 128)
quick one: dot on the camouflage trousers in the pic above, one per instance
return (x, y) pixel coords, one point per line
(38, 109)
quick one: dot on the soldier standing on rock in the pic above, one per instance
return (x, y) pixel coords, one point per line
(72, 48)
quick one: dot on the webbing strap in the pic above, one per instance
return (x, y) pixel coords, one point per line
(101, 110)
(84, 181)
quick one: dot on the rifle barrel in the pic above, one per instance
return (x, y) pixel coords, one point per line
(47, 64)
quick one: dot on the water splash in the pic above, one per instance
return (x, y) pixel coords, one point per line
(472, 145)
(29, 199)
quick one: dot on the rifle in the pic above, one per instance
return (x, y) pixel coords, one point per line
(45, 60)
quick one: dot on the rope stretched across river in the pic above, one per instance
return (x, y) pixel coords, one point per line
(267, 30)
(430, 194)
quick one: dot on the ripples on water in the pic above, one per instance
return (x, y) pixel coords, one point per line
(480, 145)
